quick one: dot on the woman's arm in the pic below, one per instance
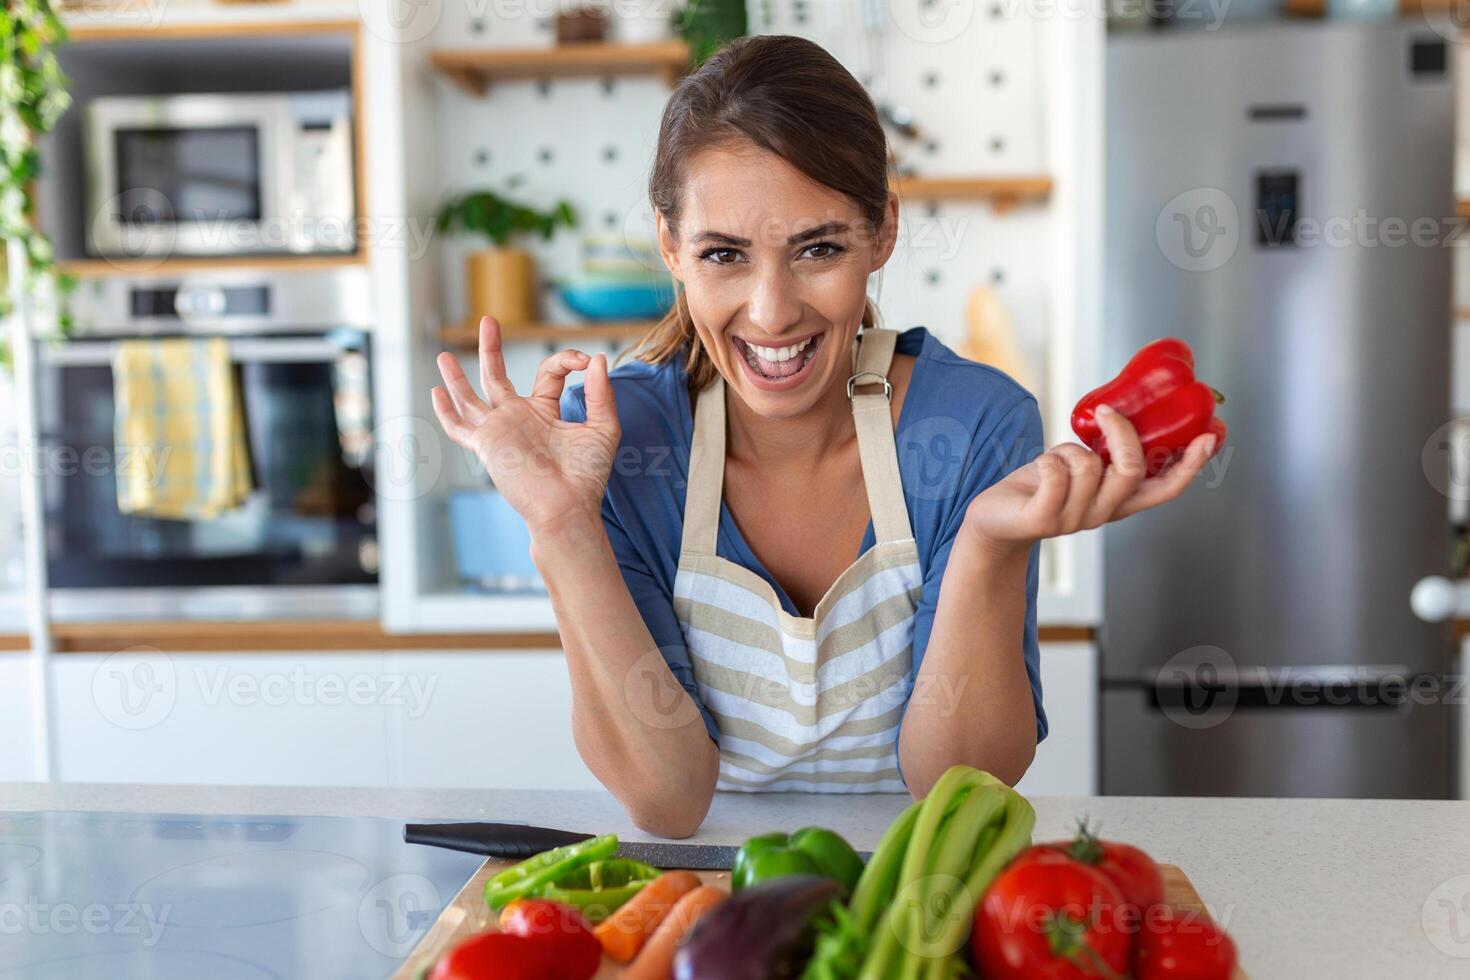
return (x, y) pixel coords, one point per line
(972, 699)
(636, 727)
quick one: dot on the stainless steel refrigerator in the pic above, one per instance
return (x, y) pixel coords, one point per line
(1258, 638)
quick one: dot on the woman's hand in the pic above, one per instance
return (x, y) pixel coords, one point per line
(1067, 489)
(546, 468)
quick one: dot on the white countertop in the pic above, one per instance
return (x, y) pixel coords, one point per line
(1308, 888)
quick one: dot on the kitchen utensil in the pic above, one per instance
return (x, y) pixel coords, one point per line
(606, 258)
(990, 336)
(517, 842)
(642, 299)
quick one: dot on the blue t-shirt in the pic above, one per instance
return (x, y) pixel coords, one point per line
(962, 427)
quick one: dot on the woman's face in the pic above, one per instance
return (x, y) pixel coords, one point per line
(775, 269)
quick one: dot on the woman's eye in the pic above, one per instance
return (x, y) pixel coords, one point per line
(720, 256)
(822, 250)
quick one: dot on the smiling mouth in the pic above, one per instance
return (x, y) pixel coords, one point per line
(779, 363)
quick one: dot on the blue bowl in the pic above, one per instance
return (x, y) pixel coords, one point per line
(628, 300)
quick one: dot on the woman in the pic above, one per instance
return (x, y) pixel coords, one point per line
(696, 514)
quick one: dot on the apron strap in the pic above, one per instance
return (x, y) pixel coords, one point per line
(872, 354)
(871, 415)
(706, 472)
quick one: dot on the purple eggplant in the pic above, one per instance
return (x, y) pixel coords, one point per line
(763, 932)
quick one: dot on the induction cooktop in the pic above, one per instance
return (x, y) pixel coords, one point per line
(182, 897)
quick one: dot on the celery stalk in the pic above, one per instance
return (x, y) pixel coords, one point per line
(943, 891)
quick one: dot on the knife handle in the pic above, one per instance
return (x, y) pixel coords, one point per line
(503, 840)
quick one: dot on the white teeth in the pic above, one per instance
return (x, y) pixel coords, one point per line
(779, 353)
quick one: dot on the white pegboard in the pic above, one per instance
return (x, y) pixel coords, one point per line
(971, 79)
(975, 77)
(587, 141)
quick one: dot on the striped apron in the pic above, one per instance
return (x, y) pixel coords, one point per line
(811, 704)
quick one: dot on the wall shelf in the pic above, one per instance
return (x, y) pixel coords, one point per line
(474, 69)
(1003, 193)
(466, 336)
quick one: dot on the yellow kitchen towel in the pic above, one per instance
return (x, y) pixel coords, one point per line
(177, 407)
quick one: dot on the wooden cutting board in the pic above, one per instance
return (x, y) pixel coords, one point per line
(468, 914)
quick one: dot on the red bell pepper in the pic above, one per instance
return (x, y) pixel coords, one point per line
(1158, 393)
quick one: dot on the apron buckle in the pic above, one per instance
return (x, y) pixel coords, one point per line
(872, 377)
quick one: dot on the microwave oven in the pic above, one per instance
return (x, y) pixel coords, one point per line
(220, 174)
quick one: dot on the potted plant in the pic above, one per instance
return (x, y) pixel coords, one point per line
(32, 97)
(500, 280)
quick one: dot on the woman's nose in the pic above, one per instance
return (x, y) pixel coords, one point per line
(774, 305)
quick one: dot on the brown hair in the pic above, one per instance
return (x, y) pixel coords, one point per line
(786, 95)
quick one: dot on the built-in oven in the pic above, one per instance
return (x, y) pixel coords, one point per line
(300, 351)
(220, 174)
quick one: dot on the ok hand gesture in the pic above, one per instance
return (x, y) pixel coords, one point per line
(547, 469)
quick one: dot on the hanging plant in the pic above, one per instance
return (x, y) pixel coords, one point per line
(32, 97)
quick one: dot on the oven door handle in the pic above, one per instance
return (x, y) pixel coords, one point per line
(244, 350)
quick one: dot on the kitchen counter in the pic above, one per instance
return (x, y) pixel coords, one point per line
(1308, 888)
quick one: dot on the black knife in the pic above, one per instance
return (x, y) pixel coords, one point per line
(517, 842)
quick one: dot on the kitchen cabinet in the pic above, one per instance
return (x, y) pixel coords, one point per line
(17, 719)
(1066, 761)
(437, 719)
(499, 720)
(284, 719)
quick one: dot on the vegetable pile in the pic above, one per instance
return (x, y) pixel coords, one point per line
(954, 889)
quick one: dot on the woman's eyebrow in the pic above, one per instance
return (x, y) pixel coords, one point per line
(830, 228)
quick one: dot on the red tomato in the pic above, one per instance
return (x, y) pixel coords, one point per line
(1048, 917)
(574, 948)
(495, 956)
(1182, 946)
(1133, 871)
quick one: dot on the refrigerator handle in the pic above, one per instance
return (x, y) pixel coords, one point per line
(1387, 692)
(1436, 599)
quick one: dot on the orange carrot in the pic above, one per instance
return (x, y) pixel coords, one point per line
(624, 932)
(656, 962)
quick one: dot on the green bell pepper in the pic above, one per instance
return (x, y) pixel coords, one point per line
(599, 889)
(810, 850)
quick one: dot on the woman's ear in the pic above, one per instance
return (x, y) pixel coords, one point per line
(668, 247)
(887, 234)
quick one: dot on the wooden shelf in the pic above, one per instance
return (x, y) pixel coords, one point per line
(474, 69)
(99, 268)
(1003, 193)
(467, 335)
(82, 26)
